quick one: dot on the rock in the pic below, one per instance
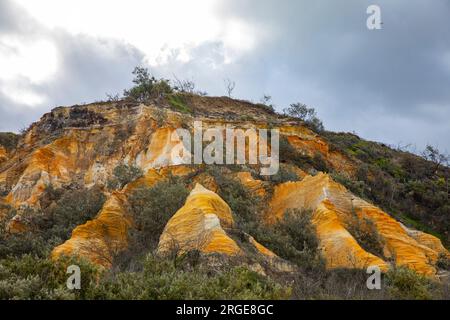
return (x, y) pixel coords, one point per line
(332, 204)
(16, 225)
(200, 224)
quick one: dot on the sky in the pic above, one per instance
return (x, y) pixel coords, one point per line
(390, 85)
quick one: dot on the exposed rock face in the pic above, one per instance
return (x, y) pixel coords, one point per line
(333, 206)
(200, 224)
(204, 224)
(254, 186)
(84, 144)
(3, 154)
(100, 239)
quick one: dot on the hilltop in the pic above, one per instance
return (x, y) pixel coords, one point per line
(96, 182)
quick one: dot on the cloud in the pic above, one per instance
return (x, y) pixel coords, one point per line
(46, 68)
(323, 54)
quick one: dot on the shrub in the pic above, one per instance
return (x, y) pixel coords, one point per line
(74, 208)
(30, 277)
(283, 175)
(123, 174)
(443, 262)
(294, 238)
(9, 140)
(147, 86)
(241, 202)
(151, 210)
(178, 102)
(303, 113)
(319, 162)
(288, 154)
(160, 279)
(47, 229)
(366, 234)
(404, 283)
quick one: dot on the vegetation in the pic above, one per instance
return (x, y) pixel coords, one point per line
(365, 232)
(146, 86)
(178, 102)
(123, 174)
(292, 238)
(9, 140)
(53, 224)
(151, 209)
(304, 113)
(29, 277)
(408, 186)
(284, 174)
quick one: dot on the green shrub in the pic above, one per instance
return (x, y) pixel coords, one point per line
(319, 162)
(160, 279)
(288, 154)
(303, 113)
(30, 277)
(147, 86)
(283, 175)
(151, 210)
(178, 102)
(47, 229)
(74, 208)
(366, 234)
(293, 238)
(404, 283)
(443, 262)
(123, 174)
(9, 140)
(242, 203)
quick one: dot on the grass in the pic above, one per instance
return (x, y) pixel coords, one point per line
(178, 102)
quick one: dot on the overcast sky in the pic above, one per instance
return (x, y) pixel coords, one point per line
(390, 85)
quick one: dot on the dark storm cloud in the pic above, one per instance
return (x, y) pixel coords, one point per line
(390, 84)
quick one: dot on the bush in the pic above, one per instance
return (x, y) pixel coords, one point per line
(160, 279)
(283, 175)
(404, 283)
(123, 174)
(308, 115)
(366, 234)
(293, 238)
(47, 229)
(30, 277)
(151, 210)
(9, 140)
(443, 262)
(146, 86)
(178, 102)
(288, 154)
(72, 209)
(319, 162)
(242, 203)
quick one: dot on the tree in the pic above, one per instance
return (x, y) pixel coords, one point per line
(187, 86)
(230, 85)
(123, 174)
(308, 115)
(147, 86)
(434, 155)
